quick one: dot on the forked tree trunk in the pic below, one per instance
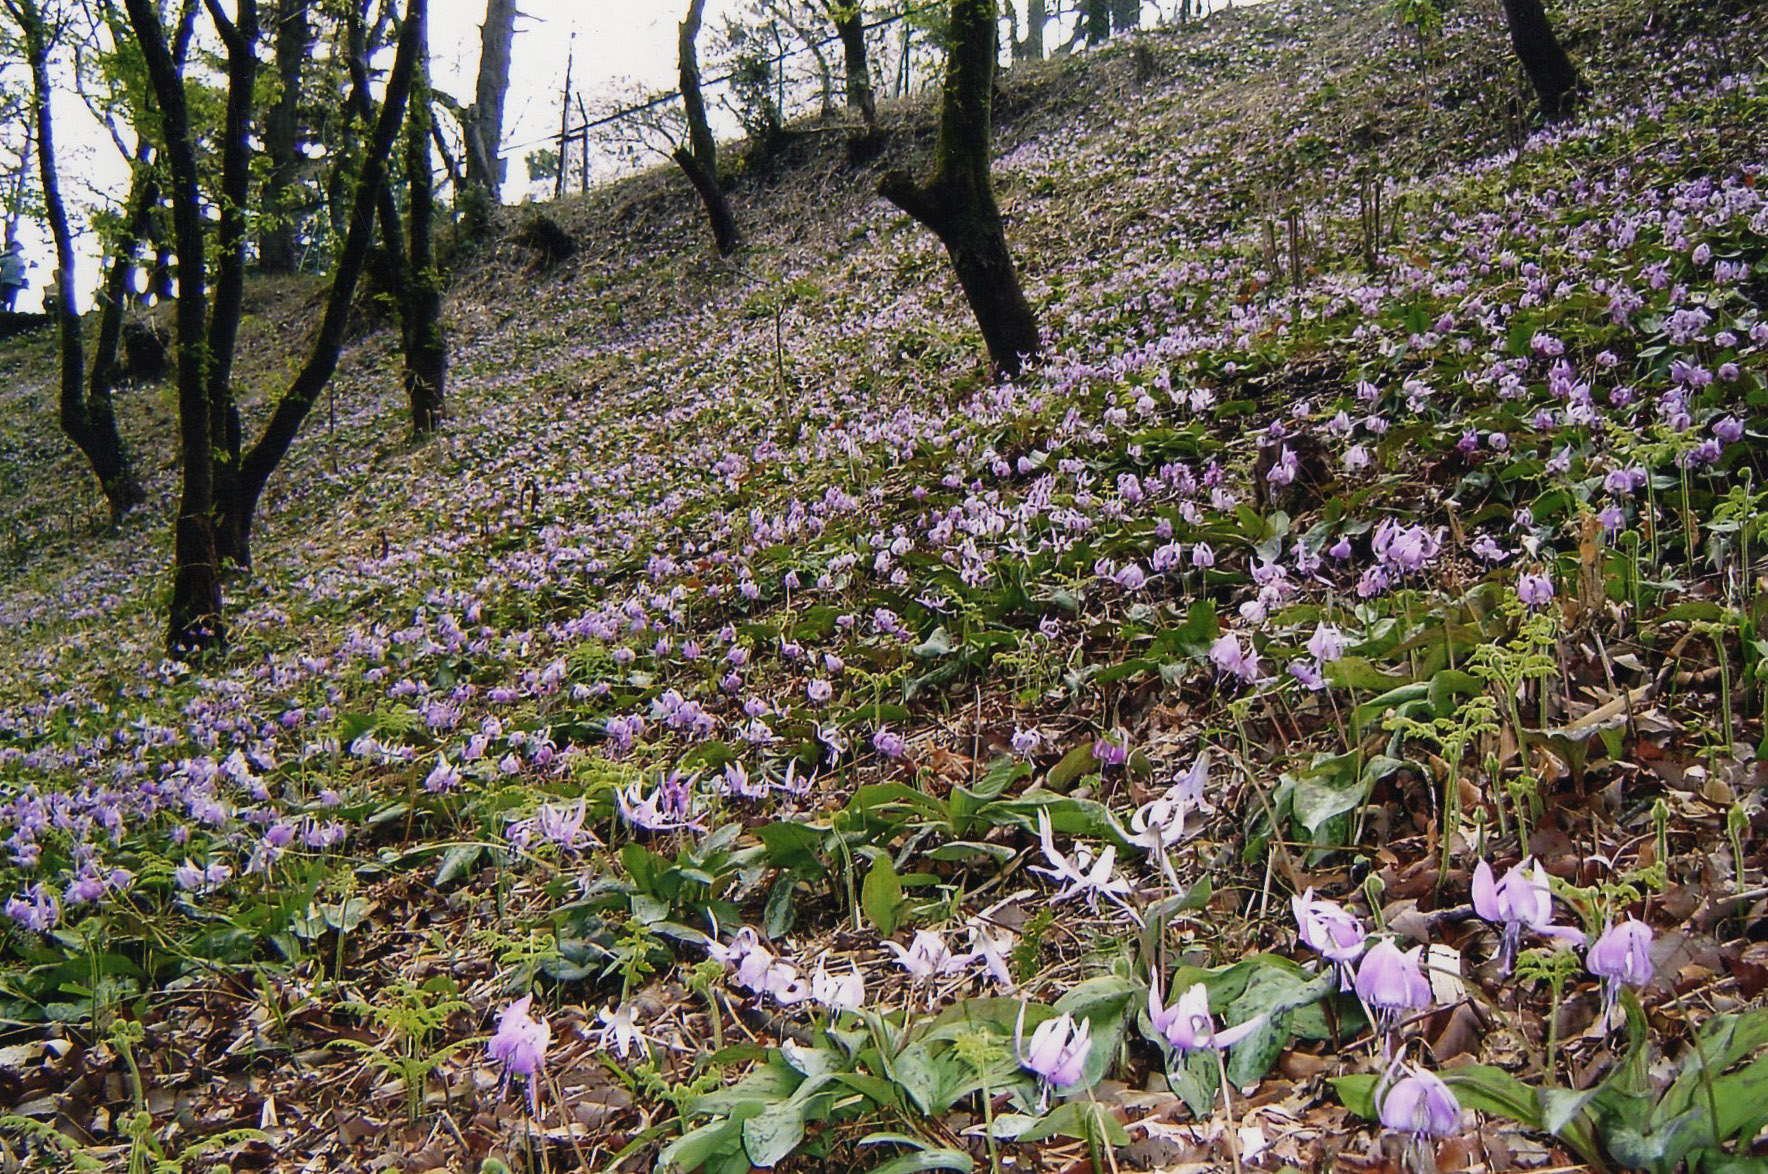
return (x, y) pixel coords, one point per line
(958, 201)
(240, 36)
(1543, 59)
(88, 419)
(196, 623)
(279, 247)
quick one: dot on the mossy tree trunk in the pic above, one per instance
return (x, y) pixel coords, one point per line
(215, 513)
(426, 347)
(1551, 73)
(849, 20)
(957, 202)
(88, 418)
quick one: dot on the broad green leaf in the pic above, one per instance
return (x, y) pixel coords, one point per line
(881, 896)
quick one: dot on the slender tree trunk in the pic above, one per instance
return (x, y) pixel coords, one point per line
(483, 126)
(240, 36)
(426, 347)
(89, 420)
(1549, 70)
(699, 159)
(261, 460)
(1097, 20)
(195, 623)
(850, 26)
(718, 209)
(1036, 17)
(700, 141)
(279, 248)
(958, 201)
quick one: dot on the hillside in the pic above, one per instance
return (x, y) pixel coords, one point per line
(740, 635)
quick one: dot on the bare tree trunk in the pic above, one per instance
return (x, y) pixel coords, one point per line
(725, 234)
(1549, 70)
(699, 159)
(700, 141)
(958, 201)
(484, 123)
(1125, 15)
(1036, 17)
(849, 20)
(279, 241)
(88, 419)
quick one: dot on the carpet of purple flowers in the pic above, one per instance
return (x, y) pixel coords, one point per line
(1313, 716)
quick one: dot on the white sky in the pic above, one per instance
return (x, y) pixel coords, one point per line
(615, 46)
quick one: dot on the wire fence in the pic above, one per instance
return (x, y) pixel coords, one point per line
(805, 77)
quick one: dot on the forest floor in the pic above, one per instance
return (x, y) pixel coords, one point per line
(805, 720)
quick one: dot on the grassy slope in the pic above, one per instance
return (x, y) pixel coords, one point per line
(635, 426)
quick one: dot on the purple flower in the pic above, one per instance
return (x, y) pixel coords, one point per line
(1130, 577)
(1187, 1024)
(1621, 956)
(520, 1045)
(1330, 930)
(1327, 643)
(1522, 900)
(889, 743)
(1058, 1050)
(34, 909)
(1026, 742)
(1391, 983)
(1420, 1105)
(819, 690)
(1534, 590)
(1229, 657)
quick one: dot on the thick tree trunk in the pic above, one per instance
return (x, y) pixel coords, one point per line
(958, 201)
(89, 420)
(1125, 15)
(426, 348)
(718, 209)
(484, 124)
(1549, 70)
(279, 246)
